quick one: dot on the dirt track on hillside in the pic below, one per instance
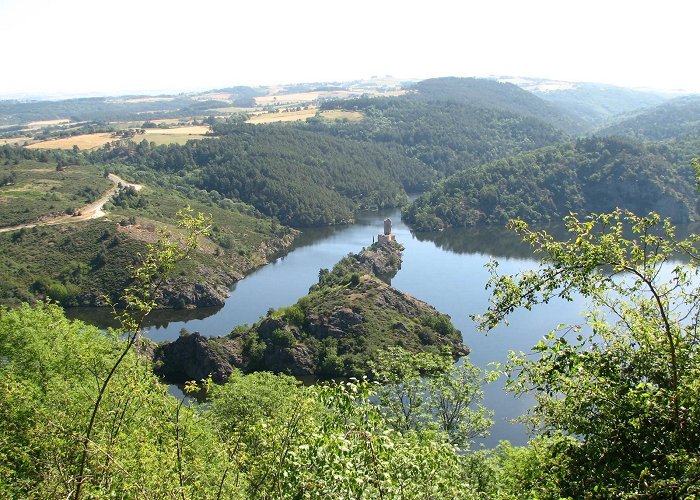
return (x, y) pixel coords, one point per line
(93, 210)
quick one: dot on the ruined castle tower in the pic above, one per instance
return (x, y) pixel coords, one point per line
(388, 235)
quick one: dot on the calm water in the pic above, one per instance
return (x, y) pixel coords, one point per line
(444, 269)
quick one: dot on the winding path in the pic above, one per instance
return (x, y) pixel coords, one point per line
(93, 210)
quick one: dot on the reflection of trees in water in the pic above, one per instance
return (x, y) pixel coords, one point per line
(102, 317)
(494, 241)
(499, 242)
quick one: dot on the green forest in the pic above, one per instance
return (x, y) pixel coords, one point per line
(585, 176)
(357, 389)
(300, 178)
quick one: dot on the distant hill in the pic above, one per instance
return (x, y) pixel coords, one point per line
(595, 102)
(673, 119)
(492, 94)
(585, 176)
(446, 135)
(301, 178)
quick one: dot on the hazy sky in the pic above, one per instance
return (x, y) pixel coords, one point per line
(99, 47)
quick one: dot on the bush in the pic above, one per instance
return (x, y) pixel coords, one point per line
(283, 338)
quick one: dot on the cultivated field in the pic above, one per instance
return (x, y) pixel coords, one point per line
(233, 109)
(189, 130)
(162, 139)
(175, 135)
(47, 123)
(85, 141)
(312, 96)
(292, 116)
(302, 97)
(15, 140)
(335, 115)
(134, 100)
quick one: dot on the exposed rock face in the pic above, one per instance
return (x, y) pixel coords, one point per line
(382, 260)
(211, 290)
(332, 332)
(195, 357)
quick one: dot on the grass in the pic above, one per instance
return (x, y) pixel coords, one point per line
(290, 116)
(39, 189)
(92, 258)
(162, 139)
(84, 141)
(15, 140)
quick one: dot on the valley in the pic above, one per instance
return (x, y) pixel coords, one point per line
(292, 184)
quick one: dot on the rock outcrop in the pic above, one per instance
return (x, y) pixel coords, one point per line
(195, 357)
(334, 331)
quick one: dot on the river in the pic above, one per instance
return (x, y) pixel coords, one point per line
(445, 269)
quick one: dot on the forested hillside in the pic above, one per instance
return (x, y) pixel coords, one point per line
(302, 178)
(595, 102)
(490, 94)
(588, 175)
(673, 119)
(447, 136)
(102, 109)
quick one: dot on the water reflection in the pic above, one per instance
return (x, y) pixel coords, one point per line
(102, 317)
(494, 241)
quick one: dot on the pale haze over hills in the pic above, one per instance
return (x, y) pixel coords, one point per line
(82, 47)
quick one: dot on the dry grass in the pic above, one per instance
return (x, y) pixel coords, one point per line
(47, 123)
(292, 116)
(190, 130)
(85, 141)
(161, 139)
(15, 140)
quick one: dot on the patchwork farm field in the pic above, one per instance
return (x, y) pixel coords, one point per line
(176, 135)
(293, 116)
(85, 141)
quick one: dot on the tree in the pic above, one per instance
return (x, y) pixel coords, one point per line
(137, 302)
(427, 390)
(622, 392)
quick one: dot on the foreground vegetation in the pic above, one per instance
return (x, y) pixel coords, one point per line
(616, 415)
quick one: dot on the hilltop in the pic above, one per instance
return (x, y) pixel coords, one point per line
(334, 331)
(677, 118)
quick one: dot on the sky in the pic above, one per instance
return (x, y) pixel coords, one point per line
(94, 47)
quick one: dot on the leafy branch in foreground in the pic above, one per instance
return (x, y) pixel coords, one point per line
(138, 300)
(429, 391)
(624, 391)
